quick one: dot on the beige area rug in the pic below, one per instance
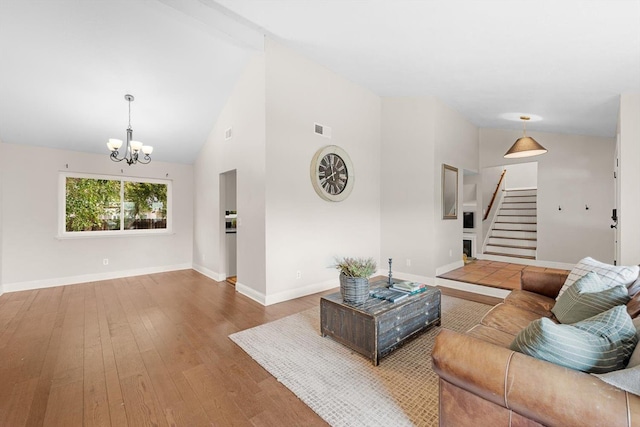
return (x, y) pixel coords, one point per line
(343, 387)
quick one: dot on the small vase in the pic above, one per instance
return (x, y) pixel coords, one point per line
(354, 290)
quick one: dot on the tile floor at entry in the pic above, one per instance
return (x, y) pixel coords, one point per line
(496, 274)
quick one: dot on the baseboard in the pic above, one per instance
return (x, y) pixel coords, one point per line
(468, 287)
(218, 277)
(72, 280)
(258, 297)
(302, 291)
(523, 261)
(399, 275)
(445, 268)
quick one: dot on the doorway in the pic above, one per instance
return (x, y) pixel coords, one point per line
(228, 205)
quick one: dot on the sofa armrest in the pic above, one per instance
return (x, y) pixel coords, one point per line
(541, 282)
(539, 390)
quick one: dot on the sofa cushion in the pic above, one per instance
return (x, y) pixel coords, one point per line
(611, 275)
(600, 344)
(587, 297)
(491, 335)
(509, 318)
(531, 301)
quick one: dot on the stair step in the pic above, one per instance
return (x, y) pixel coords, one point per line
(514, 238)
(516, 226)
(517, 211)
(514, 234)
(518, 205)
(514, 222)
(510, 255)
(513, 246)
(522, 219)
(511, 250)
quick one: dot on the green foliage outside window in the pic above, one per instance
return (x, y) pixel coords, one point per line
(92, 204)
(144, 202)
(96, 205)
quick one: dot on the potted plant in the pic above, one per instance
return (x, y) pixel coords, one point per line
(354, 278)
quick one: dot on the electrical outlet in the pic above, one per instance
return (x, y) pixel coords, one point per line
(408, 262)
(298, 274)
(105, 261)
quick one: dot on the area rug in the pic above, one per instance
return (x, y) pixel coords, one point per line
(343, 387)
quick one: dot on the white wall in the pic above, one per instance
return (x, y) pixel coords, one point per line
(577, 171)
(629, 179)
(244, 152)
(418, 136)
(408, 185)
(1, 204)
(304, 233)
(32, 254)
(522, 175)
(456, 144)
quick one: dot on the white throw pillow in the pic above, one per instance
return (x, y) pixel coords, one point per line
(611, 275)
(627, 379)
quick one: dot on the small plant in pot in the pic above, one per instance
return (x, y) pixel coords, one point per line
(354, 278)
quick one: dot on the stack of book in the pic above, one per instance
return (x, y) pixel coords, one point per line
(389, 294)
(409, 287)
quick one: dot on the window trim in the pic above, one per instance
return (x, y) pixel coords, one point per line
(62, 207)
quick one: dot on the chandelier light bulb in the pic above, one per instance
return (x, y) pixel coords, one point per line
(147, 149)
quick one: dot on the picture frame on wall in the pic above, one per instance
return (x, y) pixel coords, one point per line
(449, 192)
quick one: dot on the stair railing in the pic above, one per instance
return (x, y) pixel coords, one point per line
(495, 193)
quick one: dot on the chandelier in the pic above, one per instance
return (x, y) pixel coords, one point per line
(133, 148)
(525, 146)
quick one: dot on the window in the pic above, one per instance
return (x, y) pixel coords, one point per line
(110, 205)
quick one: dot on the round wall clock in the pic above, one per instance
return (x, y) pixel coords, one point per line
(332, 173)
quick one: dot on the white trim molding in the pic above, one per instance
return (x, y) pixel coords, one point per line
(218, 277)
(452, 266)
(524, 261)
(85, 278)
(469, 287)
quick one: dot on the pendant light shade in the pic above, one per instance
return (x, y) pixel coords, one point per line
(525, 146)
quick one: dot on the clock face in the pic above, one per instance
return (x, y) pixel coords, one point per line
(332, 173)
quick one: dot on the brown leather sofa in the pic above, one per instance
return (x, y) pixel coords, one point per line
(484, 383)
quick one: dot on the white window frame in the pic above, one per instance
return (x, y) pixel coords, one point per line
(62, 204)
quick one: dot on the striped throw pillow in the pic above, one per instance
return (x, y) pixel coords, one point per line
(611, 275)
(600, 344)
(587, 297)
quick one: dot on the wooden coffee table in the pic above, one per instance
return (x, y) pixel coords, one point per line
(377, 327)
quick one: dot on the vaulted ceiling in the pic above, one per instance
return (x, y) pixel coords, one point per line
(65, 65)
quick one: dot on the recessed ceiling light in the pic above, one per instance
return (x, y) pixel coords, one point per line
(516, 117)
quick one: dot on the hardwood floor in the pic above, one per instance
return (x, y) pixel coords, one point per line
(146, 350)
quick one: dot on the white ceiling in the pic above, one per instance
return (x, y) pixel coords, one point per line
(65, 65)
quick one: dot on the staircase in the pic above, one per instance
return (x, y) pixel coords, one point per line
(514, 231)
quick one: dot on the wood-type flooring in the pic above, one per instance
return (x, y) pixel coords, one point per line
(494, 274)
(141, 351)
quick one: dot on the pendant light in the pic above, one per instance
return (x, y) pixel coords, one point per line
(525, 146)
(133, 148)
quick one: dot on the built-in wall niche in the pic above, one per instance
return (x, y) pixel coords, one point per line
(471, 224)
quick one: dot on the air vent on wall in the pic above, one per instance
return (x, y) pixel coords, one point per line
(322, 130)
(227, 134)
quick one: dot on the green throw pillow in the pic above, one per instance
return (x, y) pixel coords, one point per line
(587, 297)
(600, 344)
